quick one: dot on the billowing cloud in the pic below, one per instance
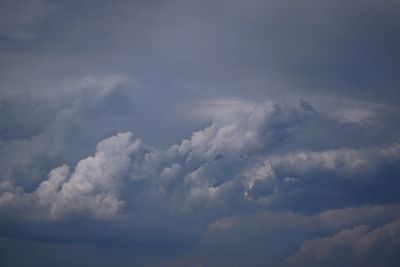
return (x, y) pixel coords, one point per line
(153, 133)
(93, 188)
(94, 185)
(267, 238)
(232, 165)
(294, 180)
(229, 181)
(358, 246)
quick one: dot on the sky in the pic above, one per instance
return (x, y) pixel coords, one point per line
(199, 133)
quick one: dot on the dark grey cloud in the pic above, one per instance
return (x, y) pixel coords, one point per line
(357, 246)
(22, 116)
(346, 48)
(222, 143)
(23, 19)
(199, 133)
(237, 166)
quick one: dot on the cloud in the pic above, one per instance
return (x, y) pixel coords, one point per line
(93, 189)
(267, 238)
(358, 246)
(258, 49)
(238, 165)
(261, 129)
(235, 161)
(240, 172)
(217, 177)
(61, 130)
(298, 179)
(23, 116)
(22, 19)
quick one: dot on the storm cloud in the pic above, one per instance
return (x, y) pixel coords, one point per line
(199, 133)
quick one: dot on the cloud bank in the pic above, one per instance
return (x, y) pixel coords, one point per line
(241, 179)
(199, 133)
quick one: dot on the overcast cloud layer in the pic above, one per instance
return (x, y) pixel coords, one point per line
(199, 133)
